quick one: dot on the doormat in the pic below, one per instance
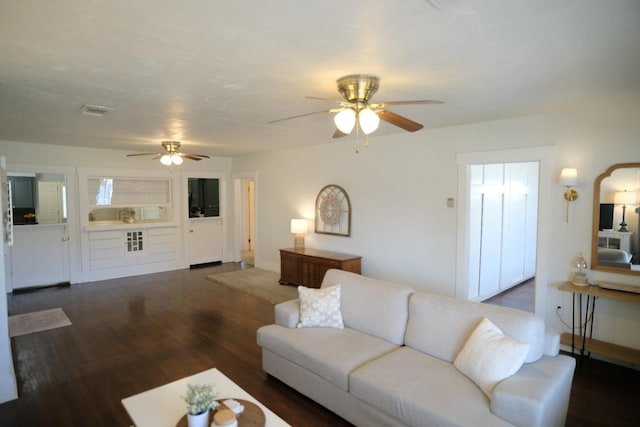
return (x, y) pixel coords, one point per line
(28, 323)
(263, 284)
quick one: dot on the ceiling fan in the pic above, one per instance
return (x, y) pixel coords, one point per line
(171, 154)
(357, 90)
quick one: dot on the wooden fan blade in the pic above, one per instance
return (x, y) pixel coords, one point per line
(197, 155)
(299, 115)
(190, 156)
(339, 134)
(143, 154)
(317, 98)
(398, 120)
(414, 102)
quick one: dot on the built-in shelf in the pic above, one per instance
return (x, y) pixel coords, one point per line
(128, 200)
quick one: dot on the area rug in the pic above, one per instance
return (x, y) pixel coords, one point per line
(28, 323)
(260, 283)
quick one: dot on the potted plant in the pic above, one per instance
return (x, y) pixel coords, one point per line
(200, 400)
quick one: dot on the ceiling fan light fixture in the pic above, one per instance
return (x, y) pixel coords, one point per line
(345, 120)
(369, 120)
(177, 159)
(165, 160)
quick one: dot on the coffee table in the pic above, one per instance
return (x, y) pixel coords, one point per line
(163, 406)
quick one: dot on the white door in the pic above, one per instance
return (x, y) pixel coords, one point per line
(204, 240)
(39, 255)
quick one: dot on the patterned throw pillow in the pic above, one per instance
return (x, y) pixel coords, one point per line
(320, 308)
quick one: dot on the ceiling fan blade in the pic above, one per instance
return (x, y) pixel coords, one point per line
(339, 134)
(398, 120)
(197, 155)
(143, 154)
(190, 156)
(299, 115)
(317, 98)
(414, 102)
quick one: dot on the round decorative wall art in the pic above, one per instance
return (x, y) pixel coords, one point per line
(333, 211)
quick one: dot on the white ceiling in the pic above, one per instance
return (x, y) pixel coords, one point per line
(213, 73)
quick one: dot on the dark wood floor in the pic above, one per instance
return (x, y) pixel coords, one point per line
(133, 334)
(521, 296)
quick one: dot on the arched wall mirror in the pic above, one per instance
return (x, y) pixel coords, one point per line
(615, 245)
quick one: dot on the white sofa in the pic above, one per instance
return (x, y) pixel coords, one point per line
(392, 363)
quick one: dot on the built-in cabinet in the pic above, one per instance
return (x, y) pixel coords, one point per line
(129, 226)
(130, 249)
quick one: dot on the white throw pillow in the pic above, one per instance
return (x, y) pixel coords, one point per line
(489, 356)
(320, 308)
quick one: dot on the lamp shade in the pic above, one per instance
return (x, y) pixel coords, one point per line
(345, 120)
(569, 177)
(299, 226)
(165, 160)
(369, 120)
(625, 198)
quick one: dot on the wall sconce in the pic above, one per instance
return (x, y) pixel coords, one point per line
(299, 227)
(569, 178)
(624, 198)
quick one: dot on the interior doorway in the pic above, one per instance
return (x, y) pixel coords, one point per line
(502, 217)
(247, 254)
(245, 204)
(543, 157)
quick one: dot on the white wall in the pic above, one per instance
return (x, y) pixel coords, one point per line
(399, 186)
(8, 388)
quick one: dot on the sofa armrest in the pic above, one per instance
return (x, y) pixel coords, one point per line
(551, 344)
(538, 394)
(288, 313)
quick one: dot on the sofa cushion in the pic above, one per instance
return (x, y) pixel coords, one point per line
(440, 325)
(489, 356)
(330, 353)
(372, 306)
(421, 390)
(320, 307)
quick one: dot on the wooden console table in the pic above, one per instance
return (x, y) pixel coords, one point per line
(588, 344)
(306, 267)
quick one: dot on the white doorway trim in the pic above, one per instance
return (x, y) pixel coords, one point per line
(545, 156)
(240, 232)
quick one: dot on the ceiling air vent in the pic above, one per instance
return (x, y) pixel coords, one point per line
(95, 110)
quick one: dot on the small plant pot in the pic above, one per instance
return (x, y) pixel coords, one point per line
(200, 420)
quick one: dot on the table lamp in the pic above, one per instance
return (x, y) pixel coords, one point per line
(624, 198)
(299, 227)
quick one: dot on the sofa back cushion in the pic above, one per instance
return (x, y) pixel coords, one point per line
(372, 306)
(440, 325)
